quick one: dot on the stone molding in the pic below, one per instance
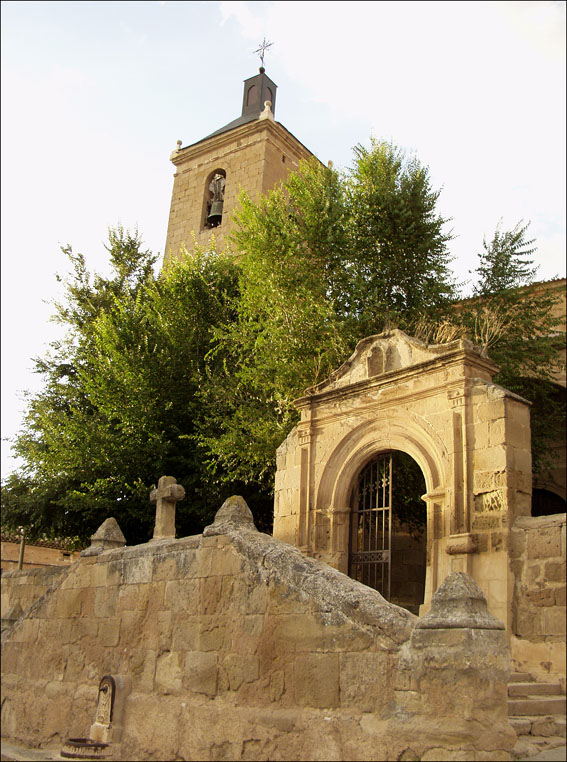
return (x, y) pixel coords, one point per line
(218, 143)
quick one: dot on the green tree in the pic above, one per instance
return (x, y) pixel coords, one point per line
(505, 262)
(120, 402)
(397, 240)
(516, 322)
(326, 259)
(287, 332)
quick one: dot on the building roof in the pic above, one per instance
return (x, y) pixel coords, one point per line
(64, 543)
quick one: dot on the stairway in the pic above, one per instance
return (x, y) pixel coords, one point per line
(537, 714)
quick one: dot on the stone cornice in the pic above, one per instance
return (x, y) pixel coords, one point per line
(460, 356)
(217, 142)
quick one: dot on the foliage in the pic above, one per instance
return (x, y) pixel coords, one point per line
(409, 510)
(326, 259)
(397, 241)
(517, 326)
(286, 334)
(120, 404)
(504, 262)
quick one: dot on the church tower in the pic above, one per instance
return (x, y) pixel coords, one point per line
(251, 153)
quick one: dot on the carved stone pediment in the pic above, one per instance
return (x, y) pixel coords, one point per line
(385, 353)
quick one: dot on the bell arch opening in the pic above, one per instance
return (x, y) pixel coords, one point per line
(387, 533)
(213, 202)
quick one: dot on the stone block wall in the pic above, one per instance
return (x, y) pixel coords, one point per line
(537, 553)
(255, 157)
(27, 586)
(237, 647)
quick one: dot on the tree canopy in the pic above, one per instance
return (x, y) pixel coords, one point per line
(518, 325)
(120, 404)
(326, 259)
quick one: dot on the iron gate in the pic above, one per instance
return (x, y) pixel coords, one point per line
(371, 526)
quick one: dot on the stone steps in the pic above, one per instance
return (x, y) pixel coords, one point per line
(533, 689)
(537, 714)
(539, 726)
(520, 677)
(529, 746)
(536, 705)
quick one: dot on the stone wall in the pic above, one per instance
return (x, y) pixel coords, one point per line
(21, 589)
(537, 553)
(239, 647)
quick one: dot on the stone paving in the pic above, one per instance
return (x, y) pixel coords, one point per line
(15, 753)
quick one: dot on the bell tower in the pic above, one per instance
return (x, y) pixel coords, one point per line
(251, 153)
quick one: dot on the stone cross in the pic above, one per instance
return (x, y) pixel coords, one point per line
(165, 497)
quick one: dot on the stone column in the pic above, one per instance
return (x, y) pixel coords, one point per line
(453, 677)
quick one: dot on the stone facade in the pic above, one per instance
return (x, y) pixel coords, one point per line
(255, 157)
(470, 437)
(21, 589)
(235, 645)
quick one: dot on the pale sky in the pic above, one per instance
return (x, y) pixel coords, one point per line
(96, 94)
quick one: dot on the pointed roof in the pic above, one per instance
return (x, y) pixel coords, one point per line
(257, 90)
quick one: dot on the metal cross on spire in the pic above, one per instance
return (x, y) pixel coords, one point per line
(262, 50)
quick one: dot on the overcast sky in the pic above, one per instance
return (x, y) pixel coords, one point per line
(96, 94)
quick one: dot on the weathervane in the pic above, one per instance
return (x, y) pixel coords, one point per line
(262, 50)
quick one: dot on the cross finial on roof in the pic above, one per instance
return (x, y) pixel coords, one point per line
(262, 50)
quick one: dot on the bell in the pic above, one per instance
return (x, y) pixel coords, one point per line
(214, 217)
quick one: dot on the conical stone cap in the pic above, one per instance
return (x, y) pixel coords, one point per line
(458, 603)
(233, 514)
(107, 536)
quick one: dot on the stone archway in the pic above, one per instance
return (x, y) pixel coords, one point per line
(437, 403)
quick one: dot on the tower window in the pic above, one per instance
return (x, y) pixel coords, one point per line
(214, 198)
(252, 96)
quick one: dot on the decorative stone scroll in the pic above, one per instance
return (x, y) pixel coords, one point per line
(461, 543)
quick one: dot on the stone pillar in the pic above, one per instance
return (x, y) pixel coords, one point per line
(453, 677)
(435, 502)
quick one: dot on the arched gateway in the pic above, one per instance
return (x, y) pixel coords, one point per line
(437, 404)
